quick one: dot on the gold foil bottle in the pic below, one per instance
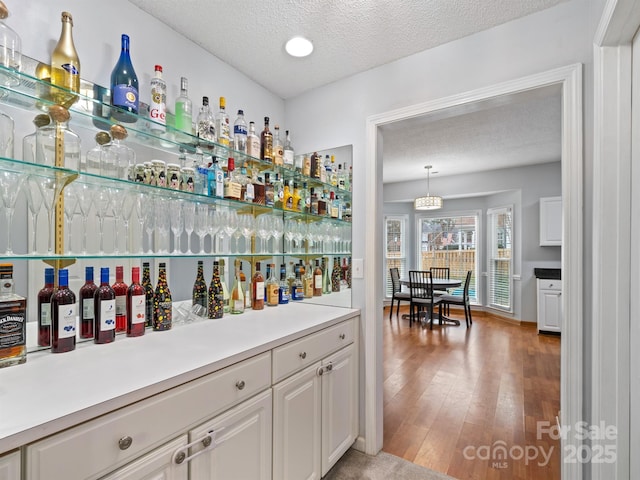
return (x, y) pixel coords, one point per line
(65, 65)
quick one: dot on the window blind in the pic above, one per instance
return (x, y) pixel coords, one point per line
(500, 257)
(395, 249)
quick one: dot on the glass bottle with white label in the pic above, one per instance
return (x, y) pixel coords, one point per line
(63, 315)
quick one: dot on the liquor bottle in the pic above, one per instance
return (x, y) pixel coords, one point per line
(121, 300)
(306, 166)
(222, 124)
(206, 126)
(215, 179)
(288, 156)
(333, 177)
(335, 275)
(297, 288)
(283, 286)
(117, 159)
(315, 165)
(342, 177)
(326, 276)
(296, 198)
(162, 304)
(148, 291)
(44, 308)
(277, 147)
(93, 158)
(199, 291)
(184, 110)
(48, 136)
(87, 293)
(313, 206)
(63, 315)
(257, 289)
(307, 281)
(268, 190)
(225, 289)
(104, 310)
(287, 197)
(216, 294)
(158, 104)
(278, 192)
(253, 141)
(240, 133)
(237, 295)
(244, 286)
(136, 308)
(29, 141)
(317, 280)
(266, 143)
(124, 86)
(272, 287)
(65, 65)
(13, 318)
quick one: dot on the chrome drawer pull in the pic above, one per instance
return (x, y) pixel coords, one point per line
(329, 367)
(180, 457)
(209, 441)
(303, 355)
(320, 371)
(125, 442)
(240, 385)
(342, 336)
(206, 441)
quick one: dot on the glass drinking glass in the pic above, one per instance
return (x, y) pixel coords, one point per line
(177, 222)
(103, 201)
(140, 206)
(128, 206)
(215, 225)
(149, 219)
(11, 183)
(34, 203)
(6, 134)
(229, 225)
(248, 227)
(201, 224)
(189, 214)
(263, 231)
(277, 227)
(49, 191)
(70, 205)
(163, 222)
(85, 201)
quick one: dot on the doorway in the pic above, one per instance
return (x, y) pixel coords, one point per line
(570, 80)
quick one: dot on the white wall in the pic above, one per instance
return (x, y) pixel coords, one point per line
(556, 37)
(520, 187)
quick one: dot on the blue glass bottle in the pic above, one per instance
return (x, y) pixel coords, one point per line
(124, 86)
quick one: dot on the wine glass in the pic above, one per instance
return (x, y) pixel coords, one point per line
(189, 214)
(289, 226)
(103, 202)
(247, 224)
(49, 190)
(263, 231)
(277, 227)
(215, 225)
(34, 203)
(149, 219)
(177, 223)
(84, 193)
(70, 205)
(163, 222)
(117, 199)
(201, 225)
(10, 183)
(141, 205)
(128, 206)
(229, 225)
(238, 230)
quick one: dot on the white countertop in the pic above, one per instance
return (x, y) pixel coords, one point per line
(51, 392)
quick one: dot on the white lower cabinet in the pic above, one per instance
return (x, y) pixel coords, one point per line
(235, 445)
(549, 305)
(10, 466)
(315, 417)
(160, 464)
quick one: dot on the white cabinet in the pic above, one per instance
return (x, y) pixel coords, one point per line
(240, 443)
(549, 305)
(10, 466)
(551, 221)
(160, 464)
(315, 410)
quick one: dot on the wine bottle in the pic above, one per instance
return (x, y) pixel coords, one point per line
(124, 86)
(44, 308)
(216, 294)
(104, 304)
(272, 287)
(87, 293)
(136, 299)
(307, 281)
(65, 65)
(326, 276)
(237, 295)
(121, 300)
(148, 289)
(317, 280)
(225, 289)
(63, 315)
(335, 275)
(257, 289)
(199, 292)
(162, 304)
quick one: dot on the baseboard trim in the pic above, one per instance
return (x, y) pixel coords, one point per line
(359, 444)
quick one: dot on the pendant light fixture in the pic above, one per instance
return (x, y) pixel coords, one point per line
(428, 202)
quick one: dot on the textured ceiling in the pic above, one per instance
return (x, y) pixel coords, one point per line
(509, 131)
(349, 36)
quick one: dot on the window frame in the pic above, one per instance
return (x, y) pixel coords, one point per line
(490, 250)
(404, 222)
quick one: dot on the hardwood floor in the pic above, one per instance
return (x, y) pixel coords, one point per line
(454, 396)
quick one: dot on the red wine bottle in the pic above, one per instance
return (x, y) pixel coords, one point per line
(162, 305)
(63, 316)
(136, 307)
(121, 300)
(86, 295)
(44, 308)
(104, 310)
(148, 289)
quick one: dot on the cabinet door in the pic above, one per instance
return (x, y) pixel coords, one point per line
(551, 221)
(550, 310)
(156, 465)
(296, 426)
(10, 466)
(242, 447)
(339, 405)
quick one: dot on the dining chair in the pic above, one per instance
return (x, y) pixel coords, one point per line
(422, 298)
(462, 300)
(441, 273)
(397, 293)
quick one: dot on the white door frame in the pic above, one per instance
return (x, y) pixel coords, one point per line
(570, 80)
(613, 301)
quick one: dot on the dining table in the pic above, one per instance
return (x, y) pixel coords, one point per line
(438, 284)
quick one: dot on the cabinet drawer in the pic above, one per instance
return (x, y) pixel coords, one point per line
(296, 355)
(545, 284)
(100, 445)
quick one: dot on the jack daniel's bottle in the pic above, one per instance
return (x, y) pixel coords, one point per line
(13, 321)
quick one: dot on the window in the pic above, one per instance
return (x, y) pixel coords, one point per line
(500, 257)
(450, 242)
(395, 248)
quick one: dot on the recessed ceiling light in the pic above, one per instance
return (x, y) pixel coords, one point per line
(299, 47)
